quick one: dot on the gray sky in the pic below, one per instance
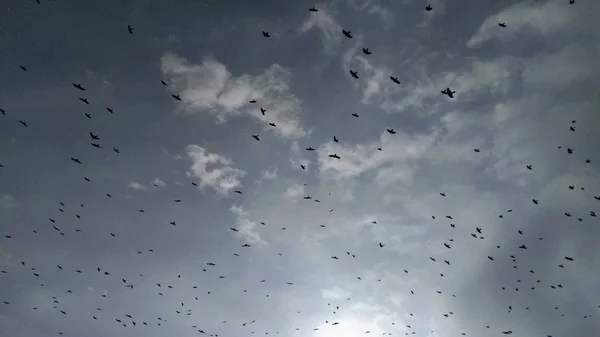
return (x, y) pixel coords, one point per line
(518, 90)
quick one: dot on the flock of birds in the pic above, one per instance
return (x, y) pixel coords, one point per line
(129, 320)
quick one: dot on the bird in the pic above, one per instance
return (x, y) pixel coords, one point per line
(130, 29)
(355, 115)
(334, 156)
(78, 86)
(255, 137)
(309, 149)
(354, 74)
(391, 131)
(266, 34)
(110, 110)
(272, 124)
(23, 68)
(23, 123)
(428, 8)
(395, 79)
(366, 51)
(313, 9)
(252, 101)
(502, 24)
(448, 92)
(84, 100)
(262, 111)
(335, 139)
(176, 97)
(76, 160)
(94, 137)
(347, 33)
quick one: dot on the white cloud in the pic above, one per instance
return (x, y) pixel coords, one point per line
(157, 182)
(137, 186)
(398, 149)
(295, 191)
(213, 170)
(8, 201)
(296, 158)
(269, 174)
(330, 29)
(246, 228)
(541, 17)
(211, 87)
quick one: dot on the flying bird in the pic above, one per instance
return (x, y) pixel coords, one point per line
(266, 34)
(448, 92)
(395, 79)
(78, 86)
(366, 51)
(176, 97)
(354, 74)
(255, 137)
(391, 131)
(502, 24)
(428, 8)
(347, 33)
(130, 29)
(313, 9)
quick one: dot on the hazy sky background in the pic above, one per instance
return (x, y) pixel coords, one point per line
(518, 91)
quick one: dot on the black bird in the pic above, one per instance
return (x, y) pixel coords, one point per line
(568, 258)
(570, 151)
(262, 111)
(266, 34)
(23, 68)
(88, 115)
(355, 115)
(78, 86)
(366, 51)
(98, 146)
(502, 24)
(238, 192)
(395, 79)
(272, 124)
(476, 150)
(163, 82)
(571, 2)
(176, 97)
(84, 100)
(94, 137)
(130, 29)
(535, 201)
(116, 150)
(334, 156)
(110, 110)
(354, 74)
(23, 123)
(252, 101)
(347, 33)
(529, 167)
(3, 112)
(448, 92)
(391, 131)
(335, 139)
(76, 160)
(428, 8)
(255, 137)
(313, 9)
(309, 149)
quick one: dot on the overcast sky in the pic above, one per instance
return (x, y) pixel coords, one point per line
(388, 242)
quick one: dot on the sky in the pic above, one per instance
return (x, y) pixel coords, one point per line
(474, 216)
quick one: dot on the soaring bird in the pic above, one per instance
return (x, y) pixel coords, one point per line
(347, 33)
(255, 137)
(78, 86)
(130, 29)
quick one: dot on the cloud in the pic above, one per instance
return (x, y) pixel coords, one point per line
(296, 158)
(213, 170)
(246, 227)
(8, 201)
(210, 87)
(294, 192)
(539, 17)
(137, 186)
(329, 28)
(269, 174)
(397, 150)
(157, 182)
